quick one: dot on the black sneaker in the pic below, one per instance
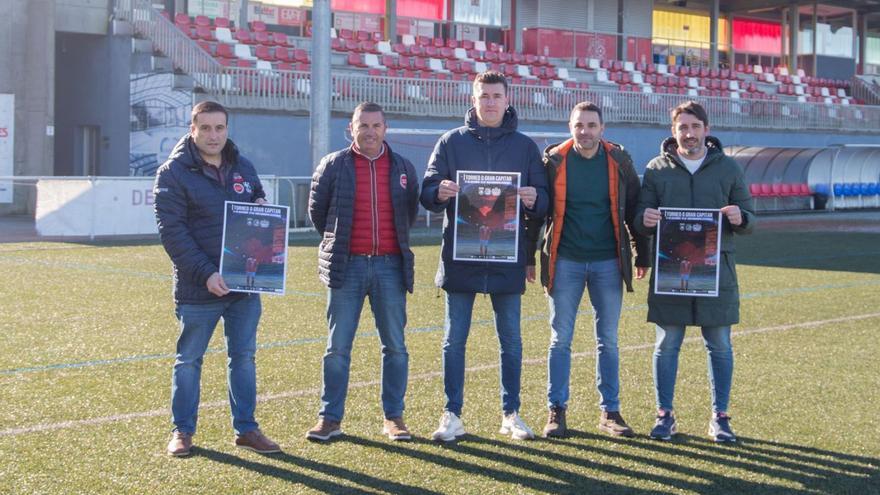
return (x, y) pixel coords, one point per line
(719, 428)
(664, 428)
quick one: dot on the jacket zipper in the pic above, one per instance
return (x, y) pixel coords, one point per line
(374, 207)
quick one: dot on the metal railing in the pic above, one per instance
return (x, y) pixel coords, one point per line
(279, 90)
(184, 53)
(866, 91)
(290, 91)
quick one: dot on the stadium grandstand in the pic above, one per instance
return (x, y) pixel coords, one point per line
(784, 81)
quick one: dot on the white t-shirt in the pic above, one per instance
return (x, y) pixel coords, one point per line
(692, 165)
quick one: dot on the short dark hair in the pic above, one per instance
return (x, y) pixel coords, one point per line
(208, 107)
(693, 108)
(586, 106)
(368, 106)
(491, 77)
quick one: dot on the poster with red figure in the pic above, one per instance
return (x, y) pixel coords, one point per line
(486, 217)
(687, 252)
(254, 256)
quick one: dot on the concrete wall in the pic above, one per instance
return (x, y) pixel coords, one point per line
(27, 56)
(82, 16)
(86, 96)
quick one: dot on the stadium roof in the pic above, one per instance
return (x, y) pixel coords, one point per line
(835, 12)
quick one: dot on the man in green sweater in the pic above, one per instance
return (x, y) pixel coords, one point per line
(586, 242)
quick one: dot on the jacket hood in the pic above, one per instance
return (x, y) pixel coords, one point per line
(509, 124)
(186, 153)
(669, 147)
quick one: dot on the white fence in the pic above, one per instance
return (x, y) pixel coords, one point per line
(119, 206)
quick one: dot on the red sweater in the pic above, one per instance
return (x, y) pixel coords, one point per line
(372, 230)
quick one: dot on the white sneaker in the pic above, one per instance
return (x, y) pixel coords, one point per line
(513, 425)
(450, 428)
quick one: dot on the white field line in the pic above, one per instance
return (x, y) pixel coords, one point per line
(78, 423)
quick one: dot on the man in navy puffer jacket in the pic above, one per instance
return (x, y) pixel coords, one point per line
(204, 170)
(489, 141)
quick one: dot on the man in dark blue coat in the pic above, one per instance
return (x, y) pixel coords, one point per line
(203, 172)
(489, 141)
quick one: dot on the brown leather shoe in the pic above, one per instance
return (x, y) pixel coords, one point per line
(612, 422)
(255, 440)
(556, 427)
(181, 444)
(396, 429)
(324, 430)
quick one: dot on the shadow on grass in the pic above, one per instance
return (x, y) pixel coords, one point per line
(546, 478)
(811, 250)
(296, 476)
(819, 470)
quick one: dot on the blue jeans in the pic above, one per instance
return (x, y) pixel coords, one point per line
(602, 280)
(197, 323)
(720, 361)
(459, 308)
(381, 279)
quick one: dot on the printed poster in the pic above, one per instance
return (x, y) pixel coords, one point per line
(254, 256)
(688, 251)
(486, 217)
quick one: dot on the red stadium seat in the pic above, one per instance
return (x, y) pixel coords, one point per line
(367, 46)
(262, 38)
(221, 22)
(356, 59)
(389, 61)
(786, 190)
(283, 55)
(204, 33)
(202, 21)
(262, 52)
(224, 50)
(258, 26)
(755, 190)
(242, 36)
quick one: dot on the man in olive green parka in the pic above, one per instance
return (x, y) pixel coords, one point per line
(692, 171)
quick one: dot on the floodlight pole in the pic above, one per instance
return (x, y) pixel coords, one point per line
(319, 122)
